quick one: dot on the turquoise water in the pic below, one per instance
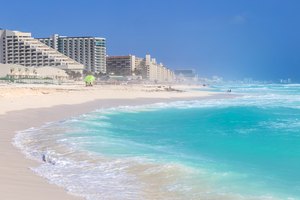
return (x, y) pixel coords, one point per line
(247, 147)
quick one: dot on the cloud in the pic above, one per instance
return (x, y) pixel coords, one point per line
(239, 19)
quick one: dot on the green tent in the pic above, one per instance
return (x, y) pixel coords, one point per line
(89, 79)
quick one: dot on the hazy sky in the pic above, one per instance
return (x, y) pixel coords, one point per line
(229, 38)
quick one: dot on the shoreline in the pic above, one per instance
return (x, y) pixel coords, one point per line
(17, 181)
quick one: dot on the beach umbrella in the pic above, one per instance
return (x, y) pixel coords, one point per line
(89, 79)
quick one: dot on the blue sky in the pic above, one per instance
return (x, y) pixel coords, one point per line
(230, 38)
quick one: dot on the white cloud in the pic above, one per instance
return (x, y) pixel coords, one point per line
(239, 19)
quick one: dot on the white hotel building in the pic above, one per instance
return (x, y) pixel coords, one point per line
(89, 51)
(21, 48)
(157, 71)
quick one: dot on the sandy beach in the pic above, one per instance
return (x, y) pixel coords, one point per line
(25, 106)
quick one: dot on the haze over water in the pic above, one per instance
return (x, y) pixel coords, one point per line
(246, 147)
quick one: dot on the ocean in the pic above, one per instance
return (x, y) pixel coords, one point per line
(244, 147)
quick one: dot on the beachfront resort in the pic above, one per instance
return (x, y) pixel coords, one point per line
(77, 56)
(42, 80)
(149, 100)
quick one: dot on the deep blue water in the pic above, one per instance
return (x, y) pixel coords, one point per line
(247, 147)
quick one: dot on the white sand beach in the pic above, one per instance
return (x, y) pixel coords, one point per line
(25, 106)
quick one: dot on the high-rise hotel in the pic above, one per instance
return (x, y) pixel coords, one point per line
(89, 51)
(21, 48)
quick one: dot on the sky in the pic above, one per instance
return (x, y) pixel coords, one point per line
(234, 39)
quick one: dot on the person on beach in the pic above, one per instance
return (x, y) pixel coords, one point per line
(44, 158)
(47, 160)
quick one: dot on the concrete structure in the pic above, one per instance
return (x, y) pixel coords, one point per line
(186, 76)
(21, 48)
(146, 67)
(89, 51)
(120, 65)
(157, 72)
(21, 72)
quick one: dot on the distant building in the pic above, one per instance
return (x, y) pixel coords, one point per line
(190, 73)
(120, 65)
(286, 81)
(186, 75)
(146, 67)
(89, 51)
(21, 48)
(157, 72)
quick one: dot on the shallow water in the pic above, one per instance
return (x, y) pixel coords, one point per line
(242, 148)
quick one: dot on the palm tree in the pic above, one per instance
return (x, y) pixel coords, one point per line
(26, 72)
(12, 72)
(35, 73)
(19, 70)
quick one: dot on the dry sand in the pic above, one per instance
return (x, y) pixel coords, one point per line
(25, 106)
(19, 97)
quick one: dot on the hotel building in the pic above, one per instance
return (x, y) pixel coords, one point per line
(89, 51)
(21, 48)
(157, 72)
(147, 67)
(120, 65)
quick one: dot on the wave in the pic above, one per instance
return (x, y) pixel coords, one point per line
(96, 177)
(67, 162)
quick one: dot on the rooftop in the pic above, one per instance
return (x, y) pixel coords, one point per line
(73, 37)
